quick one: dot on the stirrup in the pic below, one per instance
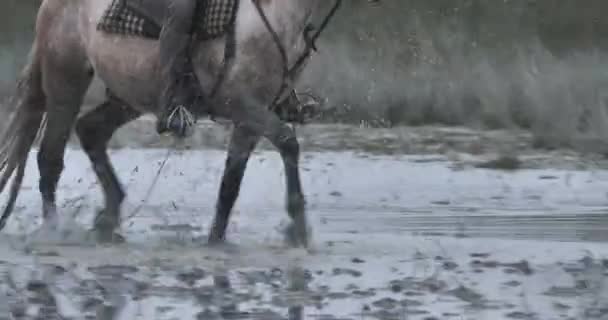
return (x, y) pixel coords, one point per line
(184, 120)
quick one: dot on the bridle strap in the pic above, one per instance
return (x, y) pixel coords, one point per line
(289, 72)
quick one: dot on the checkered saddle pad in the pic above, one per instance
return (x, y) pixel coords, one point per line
(213, 19)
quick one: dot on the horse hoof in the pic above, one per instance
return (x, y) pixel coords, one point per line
(106, 236)
(224, 247)
(296, 236)
(58, 232)
(216, 241)
(212, 241)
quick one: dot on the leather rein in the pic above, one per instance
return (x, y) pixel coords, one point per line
(290, 72)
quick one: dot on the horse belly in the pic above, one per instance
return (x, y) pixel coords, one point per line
(129, 68)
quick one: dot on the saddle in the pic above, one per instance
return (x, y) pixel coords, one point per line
(144, 18)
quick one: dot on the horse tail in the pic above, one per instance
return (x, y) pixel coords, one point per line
(24, 125)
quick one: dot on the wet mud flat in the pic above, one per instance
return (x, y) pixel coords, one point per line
(395, 237)
(330, 284)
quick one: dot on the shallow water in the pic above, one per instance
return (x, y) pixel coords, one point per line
(395, 237)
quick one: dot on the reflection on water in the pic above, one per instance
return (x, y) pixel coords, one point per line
(113, 292)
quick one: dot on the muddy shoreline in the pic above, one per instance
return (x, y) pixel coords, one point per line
(463, 146)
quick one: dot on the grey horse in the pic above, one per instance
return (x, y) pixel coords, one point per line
(69, 51)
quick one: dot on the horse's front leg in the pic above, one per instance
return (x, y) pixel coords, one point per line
(283, 137)
(242, 143)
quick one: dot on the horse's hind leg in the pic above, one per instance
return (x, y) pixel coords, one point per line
(95, 129)
(65, 83)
